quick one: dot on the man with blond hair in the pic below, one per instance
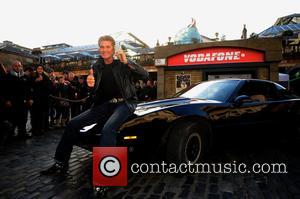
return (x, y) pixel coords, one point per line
(114, 101)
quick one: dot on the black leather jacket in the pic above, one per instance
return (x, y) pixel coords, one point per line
(124, 77)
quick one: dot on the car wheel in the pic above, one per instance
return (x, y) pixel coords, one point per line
(187, 142)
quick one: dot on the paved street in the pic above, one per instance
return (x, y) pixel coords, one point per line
(21, 162)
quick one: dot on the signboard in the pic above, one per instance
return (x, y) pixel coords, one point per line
(218, 55)
(160, 62)
(182, 81)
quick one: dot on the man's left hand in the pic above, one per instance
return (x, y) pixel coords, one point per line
(122, 56)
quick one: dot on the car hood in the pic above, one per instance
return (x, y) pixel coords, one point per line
(148, 107)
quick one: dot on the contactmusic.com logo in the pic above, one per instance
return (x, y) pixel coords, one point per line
(110, 166)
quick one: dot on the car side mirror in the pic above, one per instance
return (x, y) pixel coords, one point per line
(239, 100)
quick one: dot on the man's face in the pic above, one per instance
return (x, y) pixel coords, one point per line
(52, 76)
(17, 67)
(39, 70)
(106, 49)
(61, 80)
(71, 76)
(149, 83)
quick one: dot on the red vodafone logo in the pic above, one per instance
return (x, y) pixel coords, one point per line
(208, 57)
(216, 56)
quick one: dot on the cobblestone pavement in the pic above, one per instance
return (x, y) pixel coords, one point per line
(21, 162)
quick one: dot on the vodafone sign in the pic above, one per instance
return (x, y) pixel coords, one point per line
(219, 55)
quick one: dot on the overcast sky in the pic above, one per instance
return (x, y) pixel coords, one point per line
(34, 23)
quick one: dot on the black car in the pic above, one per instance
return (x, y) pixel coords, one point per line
(182, 128)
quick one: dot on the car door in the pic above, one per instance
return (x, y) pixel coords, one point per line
(287, 109)
(254, 112)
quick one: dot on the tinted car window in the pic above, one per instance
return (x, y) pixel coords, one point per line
(259, 91)
(284, 93)
(212, 90)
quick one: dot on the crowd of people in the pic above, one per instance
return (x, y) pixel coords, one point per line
(146, 91)
(33, 101)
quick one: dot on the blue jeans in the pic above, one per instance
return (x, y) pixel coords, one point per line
(105, 118)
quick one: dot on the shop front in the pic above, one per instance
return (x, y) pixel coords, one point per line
(179, 66)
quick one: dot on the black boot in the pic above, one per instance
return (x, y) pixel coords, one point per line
(57, 168)
(24, 136)
(101, 192)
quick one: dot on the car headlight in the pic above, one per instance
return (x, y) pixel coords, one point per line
(132, 137)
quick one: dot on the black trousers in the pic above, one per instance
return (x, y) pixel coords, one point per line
(18, 117)
(105, 119)
(39, 116)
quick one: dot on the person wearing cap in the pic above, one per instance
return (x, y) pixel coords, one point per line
(114, 101)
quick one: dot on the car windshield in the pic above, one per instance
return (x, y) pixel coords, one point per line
(212, 90)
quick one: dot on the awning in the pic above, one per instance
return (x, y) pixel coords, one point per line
(275, 31)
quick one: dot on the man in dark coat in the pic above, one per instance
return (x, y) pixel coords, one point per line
(5, 125)
(114, 101)
(17, 98)
(82, 92)
(40, 107)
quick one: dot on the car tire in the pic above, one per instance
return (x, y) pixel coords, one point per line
(188, 141)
